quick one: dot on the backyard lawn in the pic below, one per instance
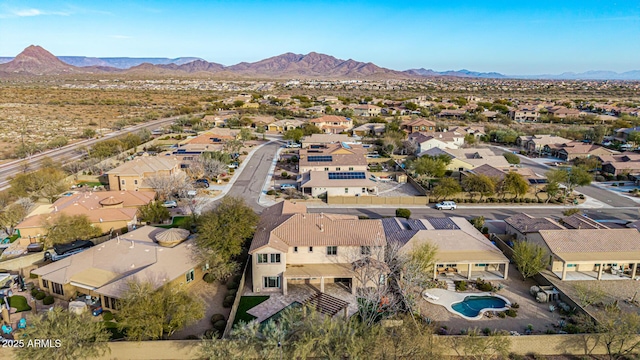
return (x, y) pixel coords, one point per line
(19, 302)
(246, 303)
(178, 221)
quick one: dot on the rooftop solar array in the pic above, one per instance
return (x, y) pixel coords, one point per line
(323, 158)
(443, 224)
(346, 175)
(537, 181)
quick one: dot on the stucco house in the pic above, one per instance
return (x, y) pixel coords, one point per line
(332, 124)
(105, 209)
(292, 246)
(462, 251)
(132, 174)
(104, 271)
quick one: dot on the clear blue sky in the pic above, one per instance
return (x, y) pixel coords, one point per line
(511, 37)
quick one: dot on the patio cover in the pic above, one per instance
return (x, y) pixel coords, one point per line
(318, 270)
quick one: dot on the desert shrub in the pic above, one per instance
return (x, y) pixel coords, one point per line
(502, 315)
(48, 300)
(228, 301)
(192, 337)
(285, 175)
(40, 295)
(483, 285)
(209, 278)
(461, 285)
(34, 291)
(271, 192)
(515, 305)
(232, 292)
(403, 213)
(216, 317)
(486, 331)
(107, 315)
(220, 325)
(232, 285)
(210, 334)
(599, 178)
(511, 313)
(485, 230)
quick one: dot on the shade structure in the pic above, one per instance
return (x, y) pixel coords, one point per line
(172, 237)
(77, 307)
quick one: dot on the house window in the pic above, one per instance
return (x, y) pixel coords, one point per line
(295, 249)
(326, 169)
(440, 265)
(346, 190)
(262, 258)
(190, 276)
(275, 258)
(351, 168)
(337, 169)
(571, 265)
(45, 284)
(272, 282)
(123, 182)
(332, 250)
(364, 190)
(111, 303)
(310, 248)
(365, 250)
(451, 265)
(57, 288)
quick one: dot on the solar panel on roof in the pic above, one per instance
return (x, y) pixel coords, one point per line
(346, 175)
(320, 158)
(443, 224)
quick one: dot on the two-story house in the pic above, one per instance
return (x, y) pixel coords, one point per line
(366, 110)
(131, 174)
(442, 140)
(291, 247)
(332, 124)
(416, 125)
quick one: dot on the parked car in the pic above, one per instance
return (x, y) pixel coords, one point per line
(202, 183)
(446, 205)
(293, 145)
(35, 247)
(170, 204)
(287, 186)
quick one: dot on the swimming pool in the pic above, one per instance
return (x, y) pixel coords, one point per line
(474, 306)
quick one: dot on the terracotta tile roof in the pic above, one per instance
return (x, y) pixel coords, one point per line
(295, 227)
(594, 245)
(329, 118)
(525, 223)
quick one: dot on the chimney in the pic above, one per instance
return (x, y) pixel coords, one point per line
(321, 228)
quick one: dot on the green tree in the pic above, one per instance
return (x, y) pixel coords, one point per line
(430, 166)
(481, 184)
(147, 313)
(48, 181)
(634, 138)
(246, 134)
(469, 139)
(411, 106)
(13, 214)
(57, 142)
(153, 213)
(571, 211)
(106, 148)
(238, 104)
(293, 134)
(65, 228)
(391, 141)
(529, 258)
(223, 231)
(75, 336)
(403, 213)
(260, 129)
(309, 129)
(511, 158)
(515, 184)
(446, 188)
(552, 189)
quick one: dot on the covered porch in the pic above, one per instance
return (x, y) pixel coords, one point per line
(472, 270)
(319, 274)
(607, 270)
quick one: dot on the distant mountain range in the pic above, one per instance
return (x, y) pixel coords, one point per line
(35, 60)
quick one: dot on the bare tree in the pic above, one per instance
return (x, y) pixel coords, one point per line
(477, 346)
(207, 167)
(167, 185)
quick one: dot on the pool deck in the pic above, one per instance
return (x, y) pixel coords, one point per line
(447, 298)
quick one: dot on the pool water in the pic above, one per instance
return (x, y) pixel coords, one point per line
(471, 306)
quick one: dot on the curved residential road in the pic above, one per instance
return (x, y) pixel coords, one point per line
(70, 152)
(250, 181)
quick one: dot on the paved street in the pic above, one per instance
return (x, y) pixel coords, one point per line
(70, 152)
